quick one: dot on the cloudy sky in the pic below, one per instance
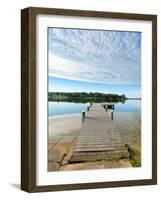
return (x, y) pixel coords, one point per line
(109, 58)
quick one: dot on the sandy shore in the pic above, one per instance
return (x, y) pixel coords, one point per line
(64, 125)
(63, 130)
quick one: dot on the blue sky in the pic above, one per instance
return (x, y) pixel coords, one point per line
(94, 60)
(67, 85)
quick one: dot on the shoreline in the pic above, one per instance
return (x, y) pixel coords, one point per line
(64, 125)
(64, 115)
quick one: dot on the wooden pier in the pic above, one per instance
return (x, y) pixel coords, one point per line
(98, 138)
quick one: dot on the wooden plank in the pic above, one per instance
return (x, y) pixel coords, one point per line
(95, 149)
(108, 140)
(98, 137)
(95, 157)
(99, 146)
(93, 153)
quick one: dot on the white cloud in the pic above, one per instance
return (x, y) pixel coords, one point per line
(63, 68)
(95, 56)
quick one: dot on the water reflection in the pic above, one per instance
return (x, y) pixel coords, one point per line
(62, 108)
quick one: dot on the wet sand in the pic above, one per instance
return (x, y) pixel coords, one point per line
(63, 131)
(129, 126)
(64, 125)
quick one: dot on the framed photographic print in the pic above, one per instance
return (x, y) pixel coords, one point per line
(88, 99)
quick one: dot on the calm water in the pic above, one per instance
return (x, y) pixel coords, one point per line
(62, 108)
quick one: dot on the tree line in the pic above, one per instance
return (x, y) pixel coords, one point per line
(85, 97)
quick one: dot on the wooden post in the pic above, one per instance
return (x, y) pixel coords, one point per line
(83, 115)
(112, 115)
(90, 104)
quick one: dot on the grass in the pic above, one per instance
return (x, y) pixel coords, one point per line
(135, 144)
(135, 157)
(131, 134)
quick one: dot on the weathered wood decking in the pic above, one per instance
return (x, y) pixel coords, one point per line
(98, 138)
